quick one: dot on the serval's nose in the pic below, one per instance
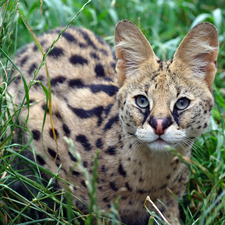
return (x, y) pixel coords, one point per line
(160, 125)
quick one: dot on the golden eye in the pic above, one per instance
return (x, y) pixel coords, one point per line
(141, 101)
(182, 103)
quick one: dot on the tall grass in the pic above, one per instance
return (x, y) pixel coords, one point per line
(164, 23)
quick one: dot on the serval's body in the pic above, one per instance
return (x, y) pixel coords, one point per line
(131, 115)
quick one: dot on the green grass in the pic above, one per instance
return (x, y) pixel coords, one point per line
(164, 23)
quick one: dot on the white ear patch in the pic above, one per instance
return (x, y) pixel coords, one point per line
(132, 49)
(198, 52)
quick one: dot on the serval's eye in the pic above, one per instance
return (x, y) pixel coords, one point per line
(182, 103)
(141, 101)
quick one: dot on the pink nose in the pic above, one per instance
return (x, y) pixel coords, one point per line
(160, 125)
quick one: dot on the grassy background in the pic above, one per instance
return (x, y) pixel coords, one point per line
(164, 23)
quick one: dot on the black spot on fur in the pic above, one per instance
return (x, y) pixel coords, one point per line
(113, 186)
(100, 188)
(84, 198)
(107, 109)
(121, 170)
(106, 199)
(57, 114)
(35, 48)
(43, 106)
(57, 80)
(111, 150)
(110, 123)
(30, 101)
(87, 38)
(108, 89)
(72, 157)
(159, 61)
(51, 133)
(163, 186)
(56, 52)
(128, 186)
(82, 45)
(85, 164)
(100, 40)
(32, 68)
(205, 125)
(199, 127)
(113, 65)
(53, 153)
(124, 197)
(154, 75)
(114, 55)
(84, 142)
(153, 189)
(94, 56)
(83, 183)
(41, 78)
(36, 135)
(99, 143)
(174, 161)
(103, 51)
(104, 169)
(84, 114)
(42, 42)
(23, 60)
(40, 160)
(17, 79)
(69, 37)
(66, 130)
(76, 83)
(99, 70)
(141, 191)
(160, 65)
(77, 59)
(76, 173)
(57, 31)
(168, 176)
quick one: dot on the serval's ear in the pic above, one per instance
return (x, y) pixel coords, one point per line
(132, 50)
(198, 52)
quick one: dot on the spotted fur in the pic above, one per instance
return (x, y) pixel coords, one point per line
(101, 109)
